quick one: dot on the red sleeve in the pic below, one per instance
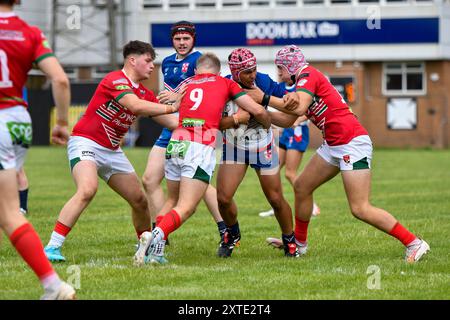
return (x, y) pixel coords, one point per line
(42, 48)
(234, 89)
(308, 82)
(117, 86)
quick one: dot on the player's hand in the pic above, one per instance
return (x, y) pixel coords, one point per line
(243, 116)
(291, 101)
(167, 97)
(255, 93)
(60, 135)
(180, 95)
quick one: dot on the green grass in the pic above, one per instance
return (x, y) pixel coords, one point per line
(413, 185)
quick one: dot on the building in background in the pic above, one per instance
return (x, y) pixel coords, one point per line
(389, 59)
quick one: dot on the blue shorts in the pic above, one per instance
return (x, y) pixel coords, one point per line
(295, 139)
(262, 160)
(164, 138)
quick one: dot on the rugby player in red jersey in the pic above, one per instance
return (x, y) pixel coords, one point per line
(346, 149)
(21, 46)
(190, 154)
(94, 146)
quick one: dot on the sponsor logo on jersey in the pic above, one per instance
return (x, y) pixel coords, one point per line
(46, 44)
(190, 122)
(123, 87)
(11, 35)
(120, 81)
(185, 67)
(302, 82)
(175, 70)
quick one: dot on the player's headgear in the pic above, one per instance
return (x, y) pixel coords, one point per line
(291, 58)
(239, 60)
(183, 27)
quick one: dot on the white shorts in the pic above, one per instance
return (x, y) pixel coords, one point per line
(189, 159)
(15, 137)
(108, 161)
(355, 155)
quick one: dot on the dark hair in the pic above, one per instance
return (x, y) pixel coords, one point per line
(208, 60)
(183, 26)
(8, 2)
(138, 47)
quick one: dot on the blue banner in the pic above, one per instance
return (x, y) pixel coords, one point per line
(306, 32)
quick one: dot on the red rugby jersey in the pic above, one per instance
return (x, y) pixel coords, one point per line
(329, 111)
(202, 106)
(20, 46)
(106, 121)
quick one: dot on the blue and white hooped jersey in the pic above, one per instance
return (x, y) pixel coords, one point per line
(253, 136)
(177, 72)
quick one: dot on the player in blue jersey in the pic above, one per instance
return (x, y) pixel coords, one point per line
(177, 69)
(252, 145)
(292, 145)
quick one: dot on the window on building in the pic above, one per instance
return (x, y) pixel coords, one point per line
(406, 78)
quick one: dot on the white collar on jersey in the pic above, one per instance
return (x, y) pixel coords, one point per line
(178, 60)
(135, 85)
(7, 14)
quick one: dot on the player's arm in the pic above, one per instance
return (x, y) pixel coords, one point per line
(169, 121)
(146, 108)
(286, 106)
(305, 99)
(234, 121)
(282, 119)
(61, 95)
(249, 105)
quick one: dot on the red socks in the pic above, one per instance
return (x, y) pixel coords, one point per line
(62, 229)
(402, 234)
(169, 223)
(27, 243)
(301, 230)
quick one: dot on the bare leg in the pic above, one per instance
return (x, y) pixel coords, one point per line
(191, 192)
(229, 177)
(85, 176)
(173, 190)
(357, 187)
(272, 188)
(10, 218)
(127, 185)
(316, 173)
(152, 178)
(293, 161)
(210, 199)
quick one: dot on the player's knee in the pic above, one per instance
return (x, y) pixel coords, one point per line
(276, 200)
(360, 210)
(223, 200)
(290, 175)
(139, 202)
(87, 193)
(149, 181)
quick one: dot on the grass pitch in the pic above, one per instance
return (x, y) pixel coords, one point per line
(347, 259)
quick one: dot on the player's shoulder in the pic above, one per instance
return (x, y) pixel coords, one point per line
(169, 58)
(263, 79)
(195, 54)
(309, 71)
(116, 78)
